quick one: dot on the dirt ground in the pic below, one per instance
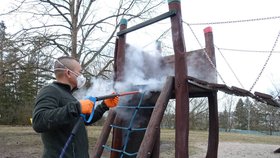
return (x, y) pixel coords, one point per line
(241, 150)
(229, 150)
(23, 142)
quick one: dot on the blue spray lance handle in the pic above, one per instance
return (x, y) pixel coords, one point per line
(93, 99)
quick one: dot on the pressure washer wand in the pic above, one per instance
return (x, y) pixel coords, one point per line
(95, 99)
(115, 95)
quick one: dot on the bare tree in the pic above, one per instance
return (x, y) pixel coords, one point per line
(46, 29)
(228, 101)
(83, 29)
(198, 113)
(168, 121)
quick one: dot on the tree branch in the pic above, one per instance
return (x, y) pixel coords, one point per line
(55, 5)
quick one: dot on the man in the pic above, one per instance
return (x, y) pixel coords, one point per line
(56, 111)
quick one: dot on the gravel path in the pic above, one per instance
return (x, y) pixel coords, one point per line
(241, 150)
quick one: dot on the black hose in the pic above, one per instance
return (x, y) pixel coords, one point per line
(73, 133)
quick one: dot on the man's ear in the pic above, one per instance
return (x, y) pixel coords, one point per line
(67, 73)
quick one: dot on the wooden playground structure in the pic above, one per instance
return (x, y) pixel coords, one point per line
(144, 141)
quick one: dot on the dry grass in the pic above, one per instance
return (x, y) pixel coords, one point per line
(24, 142)
(246, 138)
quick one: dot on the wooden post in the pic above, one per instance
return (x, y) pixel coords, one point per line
(181, 86)
(115, 59)
(150, 137)
(119, 74)
(120, 58)
(98, 149)
(210, 50)
(213, 137)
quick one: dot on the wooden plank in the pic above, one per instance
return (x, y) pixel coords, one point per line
(98, 149)
(199, 66)
(154, 124)
(241, 92)
(272, 102)
(263, 95)
(221, 87)
(170, 59)
(197, 80)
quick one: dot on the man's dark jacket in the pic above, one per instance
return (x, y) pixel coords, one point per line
(55, 114)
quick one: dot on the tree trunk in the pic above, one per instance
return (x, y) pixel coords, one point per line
(74, 30)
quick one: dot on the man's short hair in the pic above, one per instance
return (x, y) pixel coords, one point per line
(64, 62)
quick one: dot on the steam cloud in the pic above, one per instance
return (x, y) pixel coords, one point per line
(99, 87)
(143, 71)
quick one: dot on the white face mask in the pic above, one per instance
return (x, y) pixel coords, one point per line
(81, 80)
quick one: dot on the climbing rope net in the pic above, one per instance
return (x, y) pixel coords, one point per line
(130, 128)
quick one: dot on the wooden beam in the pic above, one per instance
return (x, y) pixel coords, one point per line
(148, 22)
(154, 124)
(156, 148)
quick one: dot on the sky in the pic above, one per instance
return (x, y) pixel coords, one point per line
(256, 36)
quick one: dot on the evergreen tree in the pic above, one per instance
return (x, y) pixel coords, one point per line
(20, 78)
(8, 91)
(2, 43)
(224, 120)
(248, 107)
(253, 114)
(240, 115)
(26, 92)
